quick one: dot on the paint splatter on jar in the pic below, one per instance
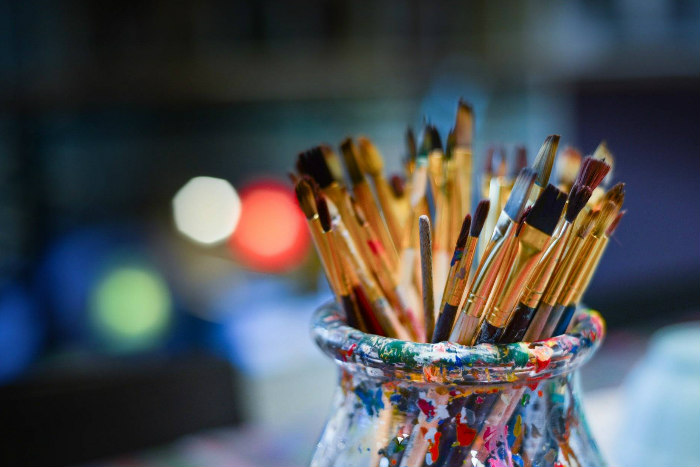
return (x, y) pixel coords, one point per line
(406, 404)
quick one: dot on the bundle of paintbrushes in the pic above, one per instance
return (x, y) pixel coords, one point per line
(400, 253)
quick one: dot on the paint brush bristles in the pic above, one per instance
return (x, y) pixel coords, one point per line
(426, 261)
(544, 161)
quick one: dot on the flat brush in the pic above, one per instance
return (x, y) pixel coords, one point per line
(532, 238)
(426, 261)
(536, 285)
(373, 164)
(461, 265)
(543, 165)
(469, 319)
(365, 198)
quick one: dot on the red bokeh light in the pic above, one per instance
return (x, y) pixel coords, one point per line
(271, 235)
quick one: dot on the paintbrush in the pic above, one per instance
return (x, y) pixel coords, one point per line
(454, 290)
(385, 276)
(470, 317)
(536, 285)
(462, 155)
(590, 255)
(452, 195)
(536, 329)
(426, 262)
(373, 165)
(314, 163)
(532, 238)
(496, 191)
(543, 166)
(590, 175)
(345, 246)
(363, 194)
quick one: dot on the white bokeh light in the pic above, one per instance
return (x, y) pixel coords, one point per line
(207, 209)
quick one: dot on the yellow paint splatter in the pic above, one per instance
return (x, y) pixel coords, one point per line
(518, 426)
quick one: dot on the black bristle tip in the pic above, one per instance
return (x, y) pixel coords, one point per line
(480, 214)
(519, 193)
(431, 140)
(350, 151)
(592, 172)
(578, 197)
(313, 163)
(324, 215)
(464, 232)
(547, 210)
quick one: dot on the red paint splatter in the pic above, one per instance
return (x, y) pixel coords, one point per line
(427, 408)
(558, 464)
(542, 364)
(533, 386)
(465, 433)
(434, 447)
(348, 353)
(539, 393)
(479, 399)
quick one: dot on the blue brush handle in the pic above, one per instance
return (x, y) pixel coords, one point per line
(565, 319)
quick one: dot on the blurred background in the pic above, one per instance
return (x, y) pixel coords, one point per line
(156, 278)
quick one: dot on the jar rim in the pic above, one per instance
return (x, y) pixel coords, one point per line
(449, 363)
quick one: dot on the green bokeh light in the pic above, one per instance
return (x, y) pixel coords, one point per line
(131, 308)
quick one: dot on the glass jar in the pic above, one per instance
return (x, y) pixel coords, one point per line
(402, 403)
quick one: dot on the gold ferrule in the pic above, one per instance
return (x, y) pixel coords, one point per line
(531, 243)
(537, 283)
(573, 282)
(487, 273)
(590, 269)
(389, 206)
(325, 253)
(562, 272)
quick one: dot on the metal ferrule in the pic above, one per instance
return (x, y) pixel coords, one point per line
(531, 243)
(536, 285)
(575, 279)
(488, 271)
(562, 272)
(590, 270)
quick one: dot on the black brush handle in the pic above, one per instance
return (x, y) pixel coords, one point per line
(517, 326)
(565, 320)
(488, 333)
(351, 315)
(444, 323)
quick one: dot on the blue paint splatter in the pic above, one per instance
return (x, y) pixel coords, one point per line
(372, 399)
